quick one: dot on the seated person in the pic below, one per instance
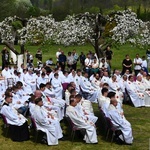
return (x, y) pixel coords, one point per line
(90, 133)
(47, 123)
(17, 123)
(119, 121)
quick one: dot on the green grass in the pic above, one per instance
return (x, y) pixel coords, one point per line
(138, 117)
(119, 54)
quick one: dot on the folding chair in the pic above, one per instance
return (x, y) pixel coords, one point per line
(10, 82)
(33, 126)
(114, 130)
(73, 127)
(6, 125)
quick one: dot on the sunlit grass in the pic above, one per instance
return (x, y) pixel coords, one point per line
(138, 117)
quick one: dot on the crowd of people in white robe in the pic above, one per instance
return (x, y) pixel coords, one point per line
(51, 96)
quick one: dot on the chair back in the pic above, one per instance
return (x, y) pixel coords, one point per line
(33, 122)
(65, 85)
(10, 82)
(4, 119)
(71, 124)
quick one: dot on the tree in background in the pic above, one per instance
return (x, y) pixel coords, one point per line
(130, 29)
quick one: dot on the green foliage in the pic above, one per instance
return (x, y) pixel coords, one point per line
(7, 8)
(17, 25)
(94, 10)
(33, 11)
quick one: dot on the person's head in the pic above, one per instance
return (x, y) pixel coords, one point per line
(139, 78)
(79, 72)
(78, 98)
(108, 48)
(56, 75)
(15, 89)
(43, 74)
(69, 87)
(125, 77)
(38, 101)
(6, 67)
(72, 101)
(73, 85)
(114, 78)
(97, 76)
(30, 71)
(111, 95)
(104, 91)
(42, 87)
(65, 73)
(38, 93)
(137, 55)
(102, 60)
(114, 102)
(73, 92)
(86, 75)
(131, 78)
(143, 57)
(127, 56)
(19, 84)
(127, 71)
(69, 53)
(105, 85)
(105, 73)
(8, 99)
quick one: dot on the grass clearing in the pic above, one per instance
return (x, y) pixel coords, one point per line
(138, 117)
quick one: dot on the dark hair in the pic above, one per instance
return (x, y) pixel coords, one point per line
(71, 99)
(42, 85)
(78, 96)
(37, 100)
(111, 94)
(104, 90)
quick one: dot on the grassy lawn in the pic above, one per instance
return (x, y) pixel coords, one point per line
(138, 117)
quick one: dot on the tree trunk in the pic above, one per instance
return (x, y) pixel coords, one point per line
(10, 46)
(22, 49)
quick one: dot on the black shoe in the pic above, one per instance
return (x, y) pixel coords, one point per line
(43, 141)
(62, 139)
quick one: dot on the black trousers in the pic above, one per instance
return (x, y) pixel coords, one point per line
(19, 133)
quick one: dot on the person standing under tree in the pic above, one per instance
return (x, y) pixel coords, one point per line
(109, 54)
(137, 64)
(127, 64)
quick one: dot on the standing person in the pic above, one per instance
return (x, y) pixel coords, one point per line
(148, 57)
(137, 64)
(5, 57)
(82, 59)
(127, 64)
(57, 54)
(38, 55)
(75, 56)
(88, 64)
(70, 61)
(109, 54)
(62, 60)
(144, 64)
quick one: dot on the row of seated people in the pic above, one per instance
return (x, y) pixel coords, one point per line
(90, 87)
(46, 112)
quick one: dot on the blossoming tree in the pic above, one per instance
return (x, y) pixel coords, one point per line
(130, 29)
(76, 30)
